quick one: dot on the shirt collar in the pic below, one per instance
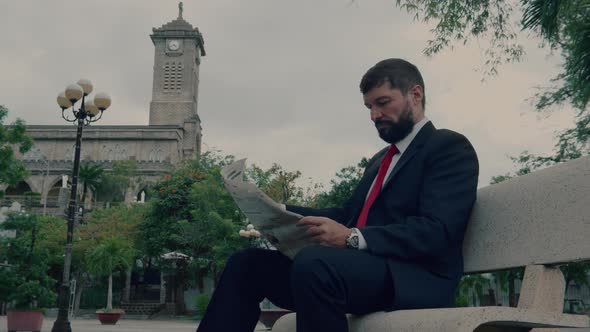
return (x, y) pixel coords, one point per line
(406, 141)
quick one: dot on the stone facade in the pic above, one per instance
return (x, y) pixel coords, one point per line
(173, 133)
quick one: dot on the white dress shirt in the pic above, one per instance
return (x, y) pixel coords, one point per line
(402, 146)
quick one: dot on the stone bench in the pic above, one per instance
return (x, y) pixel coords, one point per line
(539, 221)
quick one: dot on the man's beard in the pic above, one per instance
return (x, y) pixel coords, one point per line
(395, 132)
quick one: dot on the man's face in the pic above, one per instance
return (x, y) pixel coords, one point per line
(391, 111)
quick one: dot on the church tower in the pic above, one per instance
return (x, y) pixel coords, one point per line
(178, 51)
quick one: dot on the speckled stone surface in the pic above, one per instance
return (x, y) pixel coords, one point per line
(539, 218)
(543, 288)
(453, 319)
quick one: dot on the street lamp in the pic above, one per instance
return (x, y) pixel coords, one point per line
(88, 112)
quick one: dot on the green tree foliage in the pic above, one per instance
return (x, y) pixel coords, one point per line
(507, 281)
(12, 170)
(202, 302)
(102, 224)
(114, 184)
(564, 25)
(471, 288)
(342, 187)
(278, 183)
(488, 21)
(111, 254)
(90, 177)
(25, 280)
(191, 212)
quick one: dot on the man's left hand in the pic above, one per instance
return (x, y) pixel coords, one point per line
(325, 231)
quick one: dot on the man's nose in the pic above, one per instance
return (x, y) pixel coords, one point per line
(375, 114)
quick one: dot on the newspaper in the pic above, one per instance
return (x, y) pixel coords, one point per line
(268, 217)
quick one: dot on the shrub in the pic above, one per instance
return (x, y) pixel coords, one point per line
(202, 301)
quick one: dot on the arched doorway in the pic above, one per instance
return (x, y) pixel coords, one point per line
(142, 195)
(53, 194)
(18, 193)
(19, 190)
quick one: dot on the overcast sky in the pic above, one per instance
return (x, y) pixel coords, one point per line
(280, 79)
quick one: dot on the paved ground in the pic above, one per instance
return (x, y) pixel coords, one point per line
(124, 325)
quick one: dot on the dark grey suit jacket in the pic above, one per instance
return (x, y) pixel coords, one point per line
(419, 219)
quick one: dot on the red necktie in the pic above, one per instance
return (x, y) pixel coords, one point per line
(376, 189)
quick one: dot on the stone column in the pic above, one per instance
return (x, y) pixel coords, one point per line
(162, 288)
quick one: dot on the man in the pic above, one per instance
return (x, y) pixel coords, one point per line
(396, 244)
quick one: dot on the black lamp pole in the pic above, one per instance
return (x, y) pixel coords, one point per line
(82, 117)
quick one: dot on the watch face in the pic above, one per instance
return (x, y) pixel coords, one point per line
(173, 45)
(352, 241)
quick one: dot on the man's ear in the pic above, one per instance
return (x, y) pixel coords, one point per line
(417, 94)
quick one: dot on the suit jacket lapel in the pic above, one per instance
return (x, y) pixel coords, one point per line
(373, 168)
(365, 184)
(411, 151)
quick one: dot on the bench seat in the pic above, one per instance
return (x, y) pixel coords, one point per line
(451, 319)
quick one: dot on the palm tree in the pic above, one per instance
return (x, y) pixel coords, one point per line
(91, 177)
(112, 253)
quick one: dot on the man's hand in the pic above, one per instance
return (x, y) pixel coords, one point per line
(325, 231)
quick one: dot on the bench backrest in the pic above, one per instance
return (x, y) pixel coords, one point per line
(538, 218)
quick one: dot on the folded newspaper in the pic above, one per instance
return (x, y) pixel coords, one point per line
(268, 217)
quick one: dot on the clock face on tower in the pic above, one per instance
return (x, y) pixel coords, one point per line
(174, 45)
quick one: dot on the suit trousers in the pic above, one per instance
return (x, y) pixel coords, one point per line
(321, 284)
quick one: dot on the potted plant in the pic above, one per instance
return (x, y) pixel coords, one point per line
(29, 298)
(25, 283)
(109, 316)
(102, 260)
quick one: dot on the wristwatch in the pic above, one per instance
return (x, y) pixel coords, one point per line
(352, 241)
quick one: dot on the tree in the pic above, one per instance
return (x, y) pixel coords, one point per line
(347, 179)
(563, 25)
(214, 234)
(473, 286)
(25, 281)
(101, 225)
(191, 212)
(109, 255)
(91, 177)
(11, 169)
(488, 21)
(278, 183)
(114, 185)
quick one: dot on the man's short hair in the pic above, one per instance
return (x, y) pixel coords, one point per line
(399, 73)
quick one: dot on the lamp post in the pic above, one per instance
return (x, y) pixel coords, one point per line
(88, 112)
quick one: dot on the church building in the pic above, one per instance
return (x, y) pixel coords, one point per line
(173, 132)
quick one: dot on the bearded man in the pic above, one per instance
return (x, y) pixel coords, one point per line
(395, 244)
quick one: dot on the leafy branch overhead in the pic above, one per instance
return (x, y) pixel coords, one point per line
(563, 25)
(488, 21)
(11, 169)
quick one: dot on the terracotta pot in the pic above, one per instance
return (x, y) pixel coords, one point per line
(268, 317)
(24, 320)
(108, 318)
